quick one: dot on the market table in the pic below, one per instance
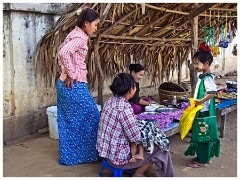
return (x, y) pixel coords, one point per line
(172, 129)
(223, 108)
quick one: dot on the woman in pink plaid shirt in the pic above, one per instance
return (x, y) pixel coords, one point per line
(78, 116)
(118, 127)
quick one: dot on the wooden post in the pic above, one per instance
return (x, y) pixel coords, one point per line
(99, 70)
(223, 60)
(193, 73)
(179, 68)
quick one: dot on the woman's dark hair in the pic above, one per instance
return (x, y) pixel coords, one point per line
(87, 15)
(203, 56)
(122, 83)
(135, 67)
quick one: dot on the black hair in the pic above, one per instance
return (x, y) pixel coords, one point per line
(122, 83)
(135, 67)
(87, 15)
(203, 56)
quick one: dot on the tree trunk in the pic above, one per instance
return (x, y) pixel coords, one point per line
(99, 70)
(193, 73)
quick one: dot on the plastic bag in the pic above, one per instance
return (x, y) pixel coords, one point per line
(187, 118)
(204, 47)
(223, 44)
(216, 51)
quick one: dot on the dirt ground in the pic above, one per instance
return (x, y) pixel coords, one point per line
(37, 156)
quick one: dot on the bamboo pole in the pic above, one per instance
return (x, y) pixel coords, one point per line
(166, 26)
(99, 70)
(135, 23)
(104, 14)
(193, 74)
(187, 13)
(143, 43)
(147, 27)
(120, 20)
(157, 20)
(144, 38)
(189, 17)
(138, 25)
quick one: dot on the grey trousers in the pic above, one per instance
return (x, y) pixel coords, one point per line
(162, 160)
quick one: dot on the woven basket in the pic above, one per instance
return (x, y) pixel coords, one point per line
(168, 95)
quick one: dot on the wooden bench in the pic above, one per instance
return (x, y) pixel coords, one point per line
(172, 129)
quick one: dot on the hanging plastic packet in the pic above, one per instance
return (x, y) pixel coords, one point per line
(230, 32)
(204, 47)
(215, 51)
(223, 43)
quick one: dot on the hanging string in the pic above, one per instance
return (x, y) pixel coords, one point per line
(204, 34)
(205, 30)
(230, 13)
(210, 19)
(226, 25)
(230, 33)
(209, 33)
(222, 29)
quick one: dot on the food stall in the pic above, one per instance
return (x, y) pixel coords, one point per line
(167, 116)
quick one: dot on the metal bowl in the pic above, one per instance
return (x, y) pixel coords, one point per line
(231, 84)
(150, 108)
(149, 113)
(167, 109)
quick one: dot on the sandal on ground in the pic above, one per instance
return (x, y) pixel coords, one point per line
(195, 164)
(195, 159)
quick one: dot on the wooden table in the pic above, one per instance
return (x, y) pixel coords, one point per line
(223, 109)
(172, 129)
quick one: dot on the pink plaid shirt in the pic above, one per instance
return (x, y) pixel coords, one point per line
(71, 55)
(118, 126)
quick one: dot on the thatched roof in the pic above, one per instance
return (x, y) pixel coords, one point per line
(158, 34)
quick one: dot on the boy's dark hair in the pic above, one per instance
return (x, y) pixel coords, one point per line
(87, 15)
(203, 56)
(122, 83)
(135, 67)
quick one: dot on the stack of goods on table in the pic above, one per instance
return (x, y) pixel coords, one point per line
(228, 93)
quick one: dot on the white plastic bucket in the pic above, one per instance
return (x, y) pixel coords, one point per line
(52, 122)
(99, 107)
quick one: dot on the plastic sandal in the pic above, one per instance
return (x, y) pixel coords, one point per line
(195, 164)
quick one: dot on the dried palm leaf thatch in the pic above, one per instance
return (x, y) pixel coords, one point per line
(91, 66)
(129, 36)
